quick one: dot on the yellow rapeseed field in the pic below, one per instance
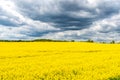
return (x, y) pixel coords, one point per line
(59, 61)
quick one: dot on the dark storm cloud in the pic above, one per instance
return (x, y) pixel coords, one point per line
(69, 15)
(59, 19)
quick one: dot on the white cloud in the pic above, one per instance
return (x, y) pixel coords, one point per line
(23, 23)
(55, 19)
(102, 30)
(82, 14)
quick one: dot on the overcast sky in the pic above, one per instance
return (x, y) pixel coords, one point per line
(60, 19)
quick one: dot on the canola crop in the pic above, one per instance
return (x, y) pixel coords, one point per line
(59, 61)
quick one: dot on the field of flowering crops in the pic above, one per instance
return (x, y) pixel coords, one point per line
(59, 61)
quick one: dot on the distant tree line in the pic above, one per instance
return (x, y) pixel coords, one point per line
(37, 40)
(50, 40)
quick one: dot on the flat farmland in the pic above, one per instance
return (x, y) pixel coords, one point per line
(59, 61)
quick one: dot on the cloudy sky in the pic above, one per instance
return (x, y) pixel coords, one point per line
(60, 19)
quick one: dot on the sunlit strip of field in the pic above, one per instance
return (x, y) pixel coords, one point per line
(59, 61)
